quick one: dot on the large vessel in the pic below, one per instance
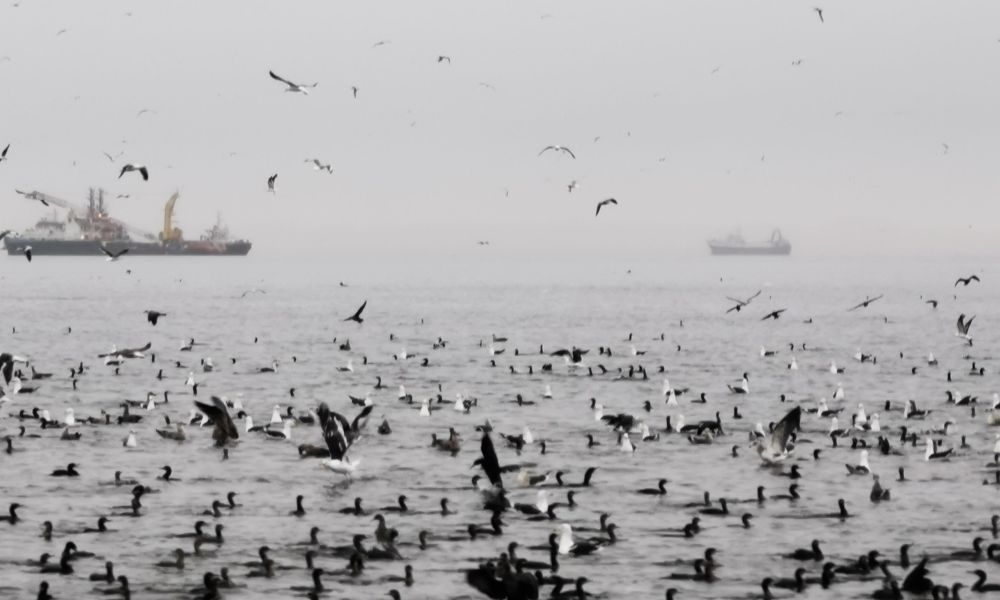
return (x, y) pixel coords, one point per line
(734, 244)
(83, 230)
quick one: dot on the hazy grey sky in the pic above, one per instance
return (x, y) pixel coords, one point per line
(851, 138)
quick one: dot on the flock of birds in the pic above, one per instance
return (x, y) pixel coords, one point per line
(517, 477)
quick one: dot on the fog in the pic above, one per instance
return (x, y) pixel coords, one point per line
(696, 116)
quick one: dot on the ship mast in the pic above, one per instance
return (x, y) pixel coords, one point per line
(95, 207)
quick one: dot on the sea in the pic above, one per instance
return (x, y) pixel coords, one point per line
(669, 317)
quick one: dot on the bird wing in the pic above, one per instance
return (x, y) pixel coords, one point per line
(491, 465)
(784, 429)
(362, 419)
(917, 576)
(546, 148)
(974, 278)
(334, 431)
(857, 306)
(281, 79)
(361, 309)
(124, 170)
(106, 251)
(736, 300)
(145, 173)
(737, 307)
(599, 205)
(752, 297)
(122, 251)
(960, 280)
(4, 153)
(568, 151)
(217, 411)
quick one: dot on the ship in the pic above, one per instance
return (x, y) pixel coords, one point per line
(735, 245)
(85, 230)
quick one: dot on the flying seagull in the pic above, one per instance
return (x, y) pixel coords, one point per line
(571, 186)
(33, 196)
(318, 166)
(292, 87)
(557, 149)
(966, 280)
(340, 434)
(865, 303)
(774, 449)
(132, 167)
(774, 314)
(380, 43)
(225, 429)
(27, 253)
(819, 11)
(153, 315)
(933, 303)
(113, 256)
(356, 317)
(963, 327)
(443, 58)
(354, 90)
(270, 182)
(3, 155)
(741, 303)
(605, 203)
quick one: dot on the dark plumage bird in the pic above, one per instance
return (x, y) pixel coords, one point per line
(965, 281)
(133, 167)
(270, 182)
(356, 317)
(217, 411)
(603, 203)
(774, 314)
(153, 316)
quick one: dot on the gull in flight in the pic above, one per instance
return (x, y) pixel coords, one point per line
(557, 149)
(963, 280)
(113, 256)
(774, 314)
(865, 303)
(270, 182)
(774, 449)
(318, 166)
(354, 90)
(605, 203)
(443, 58)
(3, 155)
(131, 167)
(963, 328)
(572, 186)
(292, 87)
(819, 11)
(741, 303)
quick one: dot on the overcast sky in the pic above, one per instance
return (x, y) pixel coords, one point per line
(705, 122)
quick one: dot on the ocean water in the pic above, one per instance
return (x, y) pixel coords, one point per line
(58, 312)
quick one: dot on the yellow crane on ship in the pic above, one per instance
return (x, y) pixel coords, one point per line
(170, 233)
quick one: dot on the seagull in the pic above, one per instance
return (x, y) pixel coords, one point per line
(152, 316)
(775, 449)
(356, 317)
(945, 146)
(112, 158)
(132, 167)
(270, 182)
(33, 196)
(819, 11)
(774, 314)
(963, 280)
(27, 253)
(571, 186)
(557, 149)
(741, 303)
(113, 256)
(340, 434)
(865, 303)
(443, 58)
(933, 303)
(292, 87)
(605, 203)
(354, 90)
(225, 429)
(380, 43)
(318, 166)
(253, 291)
(3, 155)
(963, 327)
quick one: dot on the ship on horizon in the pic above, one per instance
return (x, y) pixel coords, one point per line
(734, 244)
(85, 230)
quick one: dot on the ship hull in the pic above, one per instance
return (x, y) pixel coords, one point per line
(769, 250)
(40, 247)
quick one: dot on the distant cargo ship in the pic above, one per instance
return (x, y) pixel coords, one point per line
(85, 230)
(736, 245)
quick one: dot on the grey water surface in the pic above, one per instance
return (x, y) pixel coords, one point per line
(939, 509)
